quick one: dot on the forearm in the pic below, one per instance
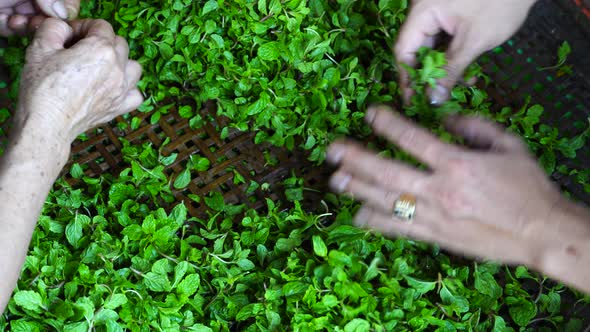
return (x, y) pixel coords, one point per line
(28, 169)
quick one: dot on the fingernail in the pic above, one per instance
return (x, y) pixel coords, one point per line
(60, 10)
(370, 114)
(439, 95)
(339, 182)
(335, 153)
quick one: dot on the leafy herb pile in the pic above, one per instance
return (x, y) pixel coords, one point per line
(298, 73)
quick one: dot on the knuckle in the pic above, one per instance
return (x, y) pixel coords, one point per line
(121, 41)
(35, 46)
(351, 154)
(422, 184)
(101, 23)
(389, 177)
(389, 199)
(407, 137)
(107, 53)
(134, 68)
(53, 23)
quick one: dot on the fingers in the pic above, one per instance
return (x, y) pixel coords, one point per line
(404, 76)
(131, 102)
(94, 28)
(483, 134)
(62, 9)
(365, 165)
(18, 24)
(461, 237)
(122, 50)
(35, 22)
(419, 229)
(133, 72)
(5, 31)
(25, 8)
(410, 137)
(419, 30)
(53, 8)
(460, 55)
(52, 35)
(375, 196)
(134, 97)
(73, 8)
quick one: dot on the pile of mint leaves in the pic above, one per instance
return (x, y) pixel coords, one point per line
(299, 74)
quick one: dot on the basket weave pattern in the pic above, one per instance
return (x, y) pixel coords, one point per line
(101, 153)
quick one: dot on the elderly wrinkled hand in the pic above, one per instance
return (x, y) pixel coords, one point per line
(68, 90)
(18, 17)
(492, 201)
(474, 25)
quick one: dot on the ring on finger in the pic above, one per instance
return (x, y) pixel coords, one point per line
(404, 208)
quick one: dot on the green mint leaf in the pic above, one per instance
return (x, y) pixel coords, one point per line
(521, 310)
(269, 51)
(23, 325)
(135, 123)
(457, 304)
(421, 287)
(319, 247)
(500, 325)
(76, 171)
(189, 285)
(200, 328)
(210, 6)
(294, 288)
(29, 300)
(183, 179)
(185, 111)
(74, 229)
(486, 284)
(105, 315)
(201, 164)
(248, 311)
(357, 324)
(169, 160)
(548, 161)
(215, 201)
(563, 52)
(115, 301)
(76, 327)
(156, 282)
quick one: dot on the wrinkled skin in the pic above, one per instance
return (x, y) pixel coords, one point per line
(475, 26)
(18, 17)
(64, 92)
(96, 68)
(492, 202)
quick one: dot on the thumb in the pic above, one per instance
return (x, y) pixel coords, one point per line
(52, 35)
(461, 53)
(53, 8)
(73, 8)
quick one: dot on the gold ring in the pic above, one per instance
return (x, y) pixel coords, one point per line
(404, 207)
